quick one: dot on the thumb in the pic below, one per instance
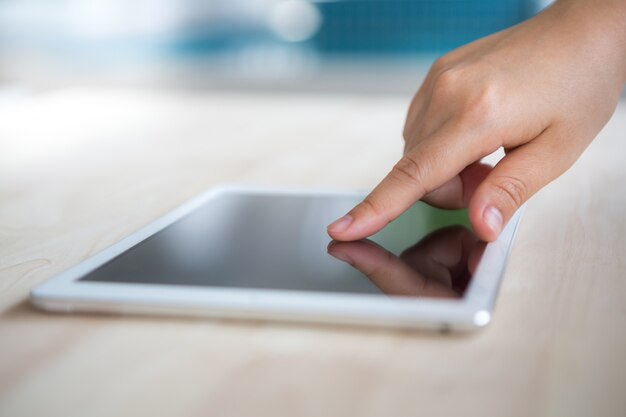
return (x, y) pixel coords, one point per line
(519, 175)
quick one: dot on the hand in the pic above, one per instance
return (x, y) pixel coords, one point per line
(542, 90)
(440, 265)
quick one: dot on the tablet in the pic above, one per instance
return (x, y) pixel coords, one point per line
(248, 253)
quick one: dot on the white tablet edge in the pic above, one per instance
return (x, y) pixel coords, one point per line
(62, 293)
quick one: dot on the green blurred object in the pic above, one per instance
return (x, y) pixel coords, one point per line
(400, 234)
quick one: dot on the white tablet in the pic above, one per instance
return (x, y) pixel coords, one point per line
(264, 254)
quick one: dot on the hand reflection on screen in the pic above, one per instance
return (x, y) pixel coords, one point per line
(440, 265)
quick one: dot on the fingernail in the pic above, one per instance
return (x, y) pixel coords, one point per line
(340, 225)
(493, 218)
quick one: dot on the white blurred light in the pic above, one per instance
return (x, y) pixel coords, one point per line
(104, 19)
(295, 20)
(482, 318)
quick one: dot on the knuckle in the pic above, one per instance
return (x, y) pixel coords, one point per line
(439, 65)
(446, 83)
(482, 108)
(372, 206)
(409, 171)
(512, 189)
(406, 134)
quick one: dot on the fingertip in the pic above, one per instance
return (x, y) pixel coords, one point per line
(339, 226)
(487, 221)
(349, 235)
(357, 224)
(334, 234)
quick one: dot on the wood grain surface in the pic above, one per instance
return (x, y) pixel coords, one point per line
(81, 168)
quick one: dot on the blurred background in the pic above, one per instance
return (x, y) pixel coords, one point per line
(342, 45)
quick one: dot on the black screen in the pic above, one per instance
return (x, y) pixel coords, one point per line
(279, 242)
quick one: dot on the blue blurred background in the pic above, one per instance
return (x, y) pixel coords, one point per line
(242, 43)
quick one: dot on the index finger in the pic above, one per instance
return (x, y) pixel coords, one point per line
(427, 166)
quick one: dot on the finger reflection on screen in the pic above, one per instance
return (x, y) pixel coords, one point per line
(439, 265)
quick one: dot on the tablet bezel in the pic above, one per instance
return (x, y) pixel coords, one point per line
(63, 293)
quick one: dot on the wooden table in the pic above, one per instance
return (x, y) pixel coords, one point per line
(81, 168)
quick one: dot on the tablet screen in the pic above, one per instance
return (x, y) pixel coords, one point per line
(279, 241)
